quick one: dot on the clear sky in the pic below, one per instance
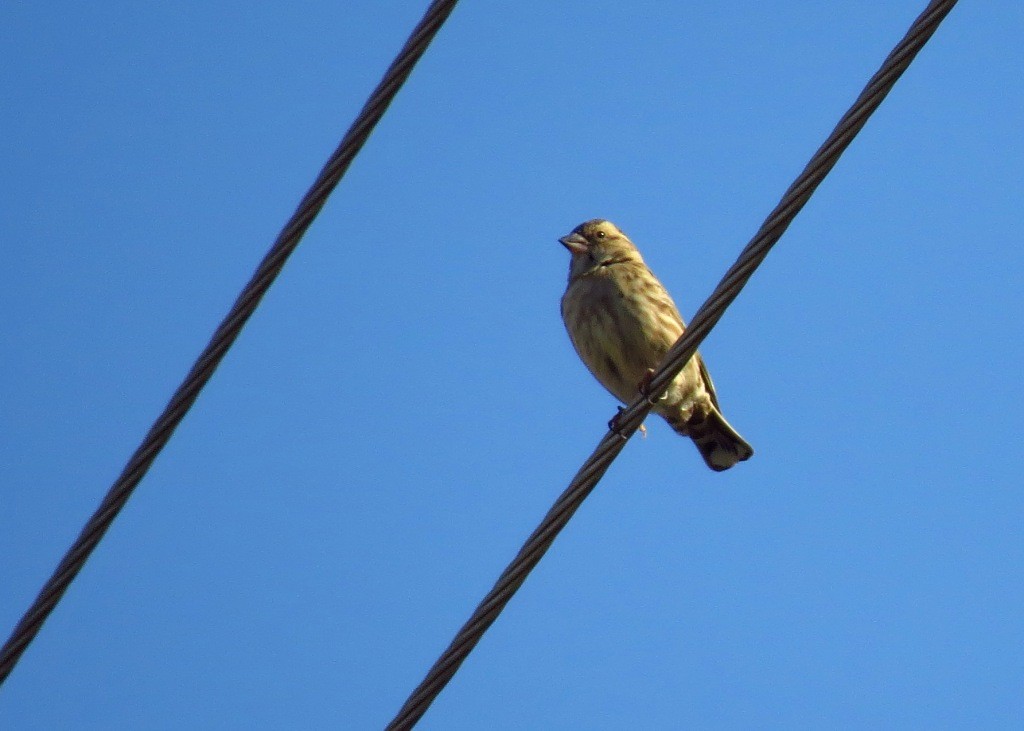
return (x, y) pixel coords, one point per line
(405, 405)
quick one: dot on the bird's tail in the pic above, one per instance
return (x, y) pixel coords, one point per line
(719, 444)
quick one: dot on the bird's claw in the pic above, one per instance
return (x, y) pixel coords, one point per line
(644, 387)
(616, 428)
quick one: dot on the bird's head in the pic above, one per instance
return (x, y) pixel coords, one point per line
(597, 243)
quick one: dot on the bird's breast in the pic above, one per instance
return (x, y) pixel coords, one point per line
(612, 333)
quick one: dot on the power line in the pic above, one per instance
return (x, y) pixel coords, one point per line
(709, 313)
(225, 335)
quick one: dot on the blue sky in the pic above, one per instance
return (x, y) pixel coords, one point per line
(405, 405)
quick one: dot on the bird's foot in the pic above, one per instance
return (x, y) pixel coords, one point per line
(644, 387)
(615, 425)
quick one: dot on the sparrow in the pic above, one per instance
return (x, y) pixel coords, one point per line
(622, 322)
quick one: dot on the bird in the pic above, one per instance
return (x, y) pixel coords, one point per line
(622, 321)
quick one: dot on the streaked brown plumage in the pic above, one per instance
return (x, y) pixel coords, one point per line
(622, 322)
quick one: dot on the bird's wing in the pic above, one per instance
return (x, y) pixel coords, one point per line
(709, 385)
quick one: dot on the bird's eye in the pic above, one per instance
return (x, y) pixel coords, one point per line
(600, 234)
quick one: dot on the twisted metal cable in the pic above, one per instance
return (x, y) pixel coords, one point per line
(709, 313)
(230, 327)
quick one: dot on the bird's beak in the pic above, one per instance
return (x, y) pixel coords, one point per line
(574, 243)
